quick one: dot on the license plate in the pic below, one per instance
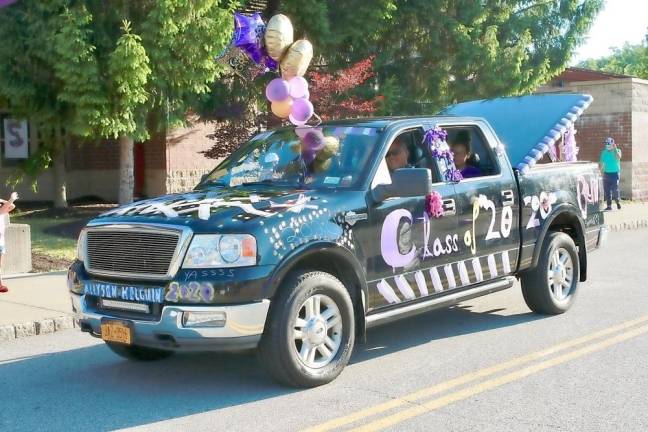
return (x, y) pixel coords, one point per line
(116, 331)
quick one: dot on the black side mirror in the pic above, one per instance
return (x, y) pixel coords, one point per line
(406, 182)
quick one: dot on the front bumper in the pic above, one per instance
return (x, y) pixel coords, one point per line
(242, 329)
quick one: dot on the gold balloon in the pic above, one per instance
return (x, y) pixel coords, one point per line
(282, 108)
(278, 36)
(297, 59)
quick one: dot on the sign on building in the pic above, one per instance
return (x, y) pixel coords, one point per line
(16, 140)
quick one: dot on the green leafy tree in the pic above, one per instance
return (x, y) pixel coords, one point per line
(627, 60)
(121, 72)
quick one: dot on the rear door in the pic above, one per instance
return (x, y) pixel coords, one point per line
(487, 209)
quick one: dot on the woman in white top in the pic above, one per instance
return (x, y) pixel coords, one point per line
(5, 208)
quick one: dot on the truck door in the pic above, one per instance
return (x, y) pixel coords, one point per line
(487, 205)
(406, 260)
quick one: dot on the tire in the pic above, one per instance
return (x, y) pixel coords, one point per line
(553, 294)
(138, 353)
(299, 351)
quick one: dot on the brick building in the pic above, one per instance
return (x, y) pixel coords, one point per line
(619, 110)
(166, 163)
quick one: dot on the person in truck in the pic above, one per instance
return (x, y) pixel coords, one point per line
(465, 160)
(398, 154)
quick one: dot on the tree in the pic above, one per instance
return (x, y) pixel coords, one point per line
(120, 72)
(330, 92)
(627, 60)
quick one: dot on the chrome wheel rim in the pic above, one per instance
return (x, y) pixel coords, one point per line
(560, 274)
(317, 331)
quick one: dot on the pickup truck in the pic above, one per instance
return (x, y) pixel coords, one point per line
(305, 237)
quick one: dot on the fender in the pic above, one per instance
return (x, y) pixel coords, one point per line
(574, 212)
(310, 250)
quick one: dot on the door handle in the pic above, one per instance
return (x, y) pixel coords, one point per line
(449, 207)
(508, 199)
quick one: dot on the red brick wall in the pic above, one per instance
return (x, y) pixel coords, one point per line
(593, 129)
(91, 155)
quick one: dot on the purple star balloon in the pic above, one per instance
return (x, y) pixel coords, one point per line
(248, 35)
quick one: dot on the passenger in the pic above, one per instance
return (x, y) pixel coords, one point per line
(465, 161)
(398, 154)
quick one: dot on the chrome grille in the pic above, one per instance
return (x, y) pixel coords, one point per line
(131, 252)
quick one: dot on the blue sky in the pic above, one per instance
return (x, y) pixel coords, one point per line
(620, 21)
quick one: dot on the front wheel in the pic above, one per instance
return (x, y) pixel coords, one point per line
(550, 288)
(310, 332)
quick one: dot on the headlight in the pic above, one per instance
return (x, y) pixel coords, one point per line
(81, 245)
(215, 250)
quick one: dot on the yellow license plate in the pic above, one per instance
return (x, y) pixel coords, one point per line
(116, 332)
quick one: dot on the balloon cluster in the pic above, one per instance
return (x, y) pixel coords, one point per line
(317, 150)
(289, 94)
(271, 48)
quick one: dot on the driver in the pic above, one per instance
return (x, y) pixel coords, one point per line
(398, 154)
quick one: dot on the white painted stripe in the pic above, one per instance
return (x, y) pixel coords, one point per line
(492, 266)
(463, 273)
(404, 287)
(436, 280)
(452, 283)
(477, 269)
(420, 282)
(506, 261)
(387, 292)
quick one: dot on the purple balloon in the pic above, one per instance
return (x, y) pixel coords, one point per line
(314, 140)
(302, 110)
(298, 87)
(4, 3)
(248, 35)
(277, 90)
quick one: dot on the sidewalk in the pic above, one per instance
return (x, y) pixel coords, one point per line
(35, 304)
(40, 304)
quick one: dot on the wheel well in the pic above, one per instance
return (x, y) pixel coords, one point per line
(337, 266)
(570, 225)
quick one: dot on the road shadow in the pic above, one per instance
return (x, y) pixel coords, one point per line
(440, 324)
(91, 389)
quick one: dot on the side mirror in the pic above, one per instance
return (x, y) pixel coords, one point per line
(204, 177)
(406, 182)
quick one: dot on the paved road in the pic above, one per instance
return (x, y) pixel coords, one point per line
(487, 365)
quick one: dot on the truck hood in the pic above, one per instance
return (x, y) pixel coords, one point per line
(526, 125)
(228, 206)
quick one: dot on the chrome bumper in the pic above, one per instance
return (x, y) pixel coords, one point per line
(242, 329)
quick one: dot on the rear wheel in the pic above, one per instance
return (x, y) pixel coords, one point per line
(550, 288)
(134, 352)
(309, 336)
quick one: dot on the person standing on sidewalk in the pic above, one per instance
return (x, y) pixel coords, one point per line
(5, 208)
(611, 166)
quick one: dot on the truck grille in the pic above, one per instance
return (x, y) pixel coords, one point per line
(130, 252)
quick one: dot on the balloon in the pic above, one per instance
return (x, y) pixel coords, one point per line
(314, 140)
(302, 110)
(248, 35)
(278, 36)
(282, 108)
(298, 87)
(277, 90)
(297, 59)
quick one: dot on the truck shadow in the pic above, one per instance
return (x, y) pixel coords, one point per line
(92, 389)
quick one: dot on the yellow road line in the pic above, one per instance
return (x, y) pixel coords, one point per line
(464, 379)
(496, 382)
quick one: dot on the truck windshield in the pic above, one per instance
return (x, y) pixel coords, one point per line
(323, 157)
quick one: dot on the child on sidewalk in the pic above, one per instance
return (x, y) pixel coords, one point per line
(5, 208)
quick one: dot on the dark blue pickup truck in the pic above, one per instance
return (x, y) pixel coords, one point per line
(303, 238)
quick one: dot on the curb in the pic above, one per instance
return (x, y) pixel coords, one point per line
(630, 225)
(41, 327)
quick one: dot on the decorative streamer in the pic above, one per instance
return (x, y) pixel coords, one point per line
(435, 138)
